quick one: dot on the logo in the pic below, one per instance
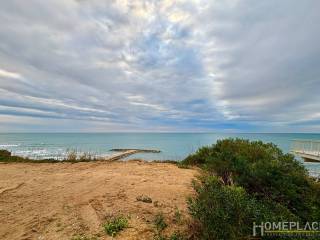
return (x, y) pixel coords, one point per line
(286, 229)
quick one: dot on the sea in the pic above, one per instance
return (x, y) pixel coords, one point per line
(173, 146)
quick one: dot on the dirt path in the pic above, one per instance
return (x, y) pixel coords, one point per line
(58, 201)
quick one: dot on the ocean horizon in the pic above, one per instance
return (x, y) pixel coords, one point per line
(173, 146)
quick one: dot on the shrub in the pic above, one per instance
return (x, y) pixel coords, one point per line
(254, 181)
(115, 225)
(159, 222)
(5, 154)
(85, 157)
(71, 156)
(227, 212)
(74, 156)
(199, 157)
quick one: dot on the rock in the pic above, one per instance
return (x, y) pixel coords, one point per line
(157, 204)
(144, 198)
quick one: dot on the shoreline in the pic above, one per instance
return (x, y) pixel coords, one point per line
(74, 156)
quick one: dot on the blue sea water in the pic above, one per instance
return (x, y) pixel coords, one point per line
(173, 146)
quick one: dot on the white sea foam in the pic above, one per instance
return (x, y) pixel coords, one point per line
(45, 153)
(8, 145)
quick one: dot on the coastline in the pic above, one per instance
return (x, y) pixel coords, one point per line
(59, 201)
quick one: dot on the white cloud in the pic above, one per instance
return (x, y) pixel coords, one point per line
(7, 74)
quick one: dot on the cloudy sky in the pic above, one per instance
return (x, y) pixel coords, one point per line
(152, 65)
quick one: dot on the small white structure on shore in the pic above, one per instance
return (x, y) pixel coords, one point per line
(309, 150)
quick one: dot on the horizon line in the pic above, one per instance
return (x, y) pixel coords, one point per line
(188, 132)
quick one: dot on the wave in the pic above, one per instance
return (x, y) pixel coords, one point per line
(46, 153)
(9, 145)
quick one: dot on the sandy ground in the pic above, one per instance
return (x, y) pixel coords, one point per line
(58, 201)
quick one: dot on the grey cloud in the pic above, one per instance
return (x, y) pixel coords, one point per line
(271, 62)
(193, 64)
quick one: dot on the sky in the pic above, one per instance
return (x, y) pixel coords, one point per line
(159, 66)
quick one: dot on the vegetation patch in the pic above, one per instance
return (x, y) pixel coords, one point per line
(246, 182)
(177, 217)
(174, 236)
(72, 157)
(177, 236)
(160, 222)
(6, 156)
(115, 225)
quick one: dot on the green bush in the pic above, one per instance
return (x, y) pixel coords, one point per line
(4, 153)
(115, 225)
(227, 212)
(5, 156)
(254, 181)
(199, 157)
